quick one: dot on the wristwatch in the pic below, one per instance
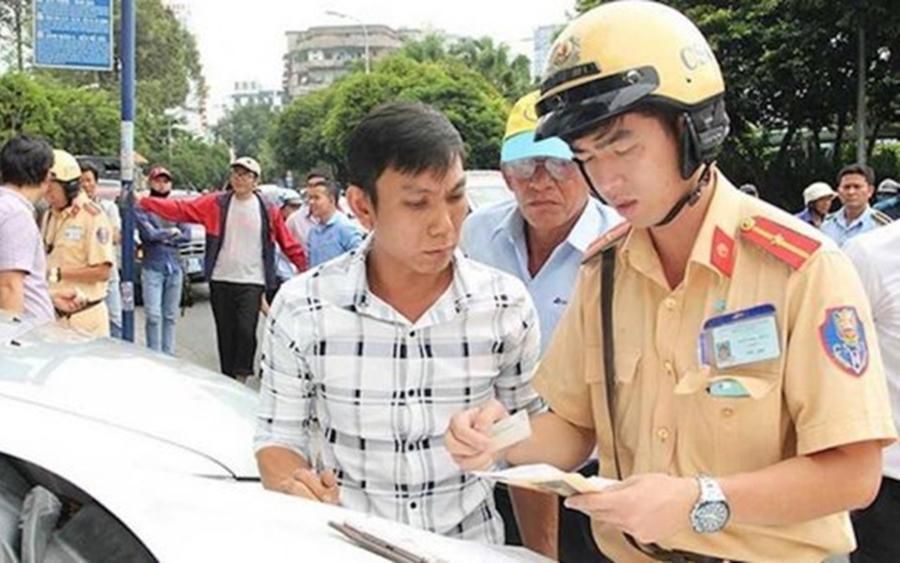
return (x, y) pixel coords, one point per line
(711, 512)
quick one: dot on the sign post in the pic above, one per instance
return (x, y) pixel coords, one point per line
(74, 34)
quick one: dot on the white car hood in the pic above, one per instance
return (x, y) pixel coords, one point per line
(128, 388)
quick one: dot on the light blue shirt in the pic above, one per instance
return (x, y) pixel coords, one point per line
(332, 239)
(836, 227)
(495, 235)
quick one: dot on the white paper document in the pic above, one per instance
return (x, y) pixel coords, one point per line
(547, 479)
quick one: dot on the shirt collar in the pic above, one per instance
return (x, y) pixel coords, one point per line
(720, 225)
(841, 218)
(583, 233)
(18, 195)
(362, 301)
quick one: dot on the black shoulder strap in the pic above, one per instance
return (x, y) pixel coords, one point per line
(607, 283)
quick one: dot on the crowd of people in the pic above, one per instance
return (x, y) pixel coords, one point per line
(733, 368)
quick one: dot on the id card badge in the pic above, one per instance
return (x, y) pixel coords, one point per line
(740, 338)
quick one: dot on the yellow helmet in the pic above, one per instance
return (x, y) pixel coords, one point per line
(65, 167)
(631, 53)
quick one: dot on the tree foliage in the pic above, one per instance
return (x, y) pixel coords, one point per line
(511, 76)
(166, 57)
(315, 129)
(791, 71)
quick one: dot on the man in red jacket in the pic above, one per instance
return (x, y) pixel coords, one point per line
(241, 231)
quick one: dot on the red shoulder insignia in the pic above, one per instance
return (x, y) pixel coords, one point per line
(92, 209)
(789, 246)
(607, 239)
(721, 253)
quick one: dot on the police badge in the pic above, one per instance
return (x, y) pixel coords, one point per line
(844, 338)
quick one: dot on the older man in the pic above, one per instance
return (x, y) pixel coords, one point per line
(540, 237)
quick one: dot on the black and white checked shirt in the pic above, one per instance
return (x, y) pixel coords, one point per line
(352, 385)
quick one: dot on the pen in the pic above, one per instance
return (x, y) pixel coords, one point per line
(378, 545)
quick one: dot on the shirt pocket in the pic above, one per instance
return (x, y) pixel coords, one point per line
(627, 363)
(741, 430)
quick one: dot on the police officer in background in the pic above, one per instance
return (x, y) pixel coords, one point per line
(718, 352)
(78, 238)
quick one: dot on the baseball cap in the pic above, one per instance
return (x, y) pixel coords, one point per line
(816, 191)
(158, 171)
(518, 141)
(248, 163)
(65, 168)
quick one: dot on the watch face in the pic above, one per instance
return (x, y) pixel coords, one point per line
(710, 517)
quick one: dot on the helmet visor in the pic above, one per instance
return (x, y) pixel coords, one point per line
(574, 111)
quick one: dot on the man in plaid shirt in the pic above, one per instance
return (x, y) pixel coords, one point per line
(367, 357)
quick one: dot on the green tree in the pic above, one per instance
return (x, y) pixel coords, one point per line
(15, 25)
(316, 129)
(791, 72)
(196, 164)
(297, 135)
(78, 120)
(167, 61)
(24, 106)
(246, 130)
(510, 76)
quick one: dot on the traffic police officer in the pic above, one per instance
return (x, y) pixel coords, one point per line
(719, 352)
(78, 238)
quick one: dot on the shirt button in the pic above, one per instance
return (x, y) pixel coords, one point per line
(670, 304)
(670, 368)
(412, 334)
(727, 413)
(413, 506)
(662, 434)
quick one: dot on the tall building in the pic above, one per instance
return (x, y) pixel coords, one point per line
(250, 93)
(318, 56)
(543, 40)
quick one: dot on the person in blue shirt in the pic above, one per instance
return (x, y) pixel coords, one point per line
(888, 198)
(334, 232)
(540, 237)
(161, 273)
(817, 200)
(856, 184)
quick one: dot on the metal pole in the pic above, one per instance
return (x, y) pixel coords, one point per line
(861, 97)
(126, 50)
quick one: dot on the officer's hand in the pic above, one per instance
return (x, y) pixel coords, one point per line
(68, 301)
(649, 507)
(468, 438)
(307, 484)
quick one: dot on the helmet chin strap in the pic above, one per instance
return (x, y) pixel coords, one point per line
(691, 198)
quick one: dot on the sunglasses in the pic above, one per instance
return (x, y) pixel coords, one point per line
(525, 168)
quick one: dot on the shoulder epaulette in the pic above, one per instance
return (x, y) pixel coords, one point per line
(881, 217)
(787, 245)
(606, 240)
(92, 208)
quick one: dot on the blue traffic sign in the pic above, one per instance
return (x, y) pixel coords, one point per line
(76, 34)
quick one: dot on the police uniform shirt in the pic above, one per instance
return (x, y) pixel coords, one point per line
(825, 389)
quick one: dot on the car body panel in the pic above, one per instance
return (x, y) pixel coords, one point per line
(133, 389)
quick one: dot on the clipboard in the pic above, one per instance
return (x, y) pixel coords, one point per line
(379, 546)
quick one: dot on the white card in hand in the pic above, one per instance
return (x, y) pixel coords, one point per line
(510, 430)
